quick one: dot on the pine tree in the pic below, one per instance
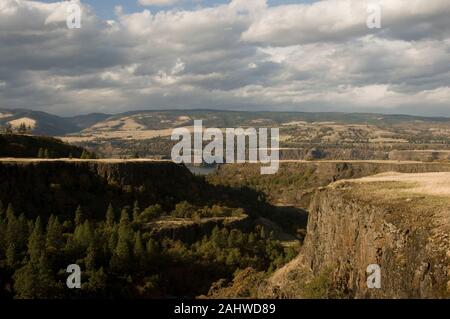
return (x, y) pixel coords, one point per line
(26, 285)
(124, 217)
(36, 242)
(11, 256)
(45, 278)
(79, 216)
(138, 247)
(34, 279)
(121, 258)
(22, 236)
(120, 261)
(46, 153)
(112, 241)
(110, 216)
(90, 259)
(10, 211)
(125, 230)
(55, 237)
(13, 229)
(97, 283)
(84, 235)
(136, 212)
(138, 250)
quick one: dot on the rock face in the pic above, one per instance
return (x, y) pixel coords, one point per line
(402, 227)
(58, 186)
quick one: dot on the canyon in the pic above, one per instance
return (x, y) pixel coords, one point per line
(390, 213)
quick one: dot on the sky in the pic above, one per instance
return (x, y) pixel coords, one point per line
(105, 8)
(281, 55)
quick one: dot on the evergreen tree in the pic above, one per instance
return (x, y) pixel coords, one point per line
(84, 235)
(122, 254)
(34, 279)
(120, 261)
(138, 247)
(125, 231)
(110, 216)
(112, 241)
(136, 212)
(97, 284)
(13, 229)
(90, 259)
(11, 256)
(46, 153)
(45, 278)
(36, 242)
(55, 237)
(41, 153)
(22, 236)
(26, 285)
(139, 251)
(10, 211)
(79, 216)
(124, 217)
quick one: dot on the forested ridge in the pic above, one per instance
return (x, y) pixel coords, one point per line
(119, 258)
(106, 218)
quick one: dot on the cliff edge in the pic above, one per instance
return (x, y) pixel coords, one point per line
(400, 222)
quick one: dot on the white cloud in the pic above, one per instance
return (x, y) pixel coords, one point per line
(157, 2)
(244, 54)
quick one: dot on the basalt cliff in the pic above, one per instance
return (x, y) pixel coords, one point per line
(400, 222)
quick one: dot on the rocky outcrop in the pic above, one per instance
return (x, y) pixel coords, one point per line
(190, 231)
(353, 225)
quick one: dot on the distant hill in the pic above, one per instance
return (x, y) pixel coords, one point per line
(302, 135)
(85, 121)
(158, 120)
(42, 123)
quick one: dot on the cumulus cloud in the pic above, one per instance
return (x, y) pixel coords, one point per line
(240, 55)
(157, 2)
